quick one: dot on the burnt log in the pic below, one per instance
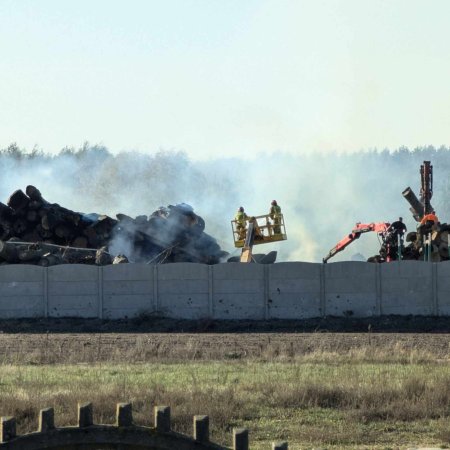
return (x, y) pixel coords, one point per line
(50, 220)
(31, 236)
(43, 233)
(18, 200)
(174, 233)
(79, 242)
(34, 205)
(35, 194)
(102, 257)
(8, 252)
(50, 259)
(64, 232)
(30, 254)
(32, 216)
(120, 259)
(20, 226)
(6, 212)
(5, 230)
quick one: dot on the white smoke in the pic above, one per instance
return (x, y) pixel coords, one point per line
(321, 196)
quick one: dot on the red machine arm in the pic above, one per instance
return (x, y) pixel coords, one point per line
(378, 227)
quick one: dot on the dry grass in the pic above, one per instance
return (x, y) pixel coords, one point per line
(359, 397)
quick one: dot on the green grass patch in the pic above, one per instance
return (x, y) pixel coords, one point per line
(327, 403)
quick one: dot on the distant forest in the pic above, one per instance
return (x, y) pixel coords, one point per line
(322, 195)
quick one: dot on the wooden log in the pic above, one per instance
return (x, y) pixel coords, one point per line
(8, 252)
(32, 216)
(31, 236)
(19, 226)
(35, 194)
(50, 259)
(29, 254)
(102, 257)
(18, 200)
(64, 232)
(5, 211)
(5, 230)
(120, 259)
(80, 242)
(34, 205)
(443, 250)
(43, 233)
(50, 220)
(124, 218)
(91, 236)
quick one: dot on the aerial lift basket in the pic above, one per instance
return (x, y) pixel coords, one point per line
(265, 229)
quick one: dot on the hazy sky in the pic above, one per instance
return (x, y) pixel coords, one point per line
(225, 77)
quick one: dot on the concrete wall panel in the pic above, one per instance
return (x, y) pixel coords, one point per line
(73, 291)
(226, 291)
(350, 289)
(127, 290)
(21, 291)
(238, 291)
(24, 306)
(407, 288)
(294, 290)
(183, 290)
(443, 288)
(18, 273)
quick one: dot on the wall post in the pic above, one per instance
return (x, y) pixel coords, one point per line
(210, 291)
(323, 303)
(378, 298)
(100, 292)
(155, 289)
(266, 291)
(434, 289)
(45, 288)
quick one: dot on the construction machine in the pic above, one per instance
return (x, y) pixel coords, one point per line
(431, 241)
(390, 244)
(422, 207)
(259, 230)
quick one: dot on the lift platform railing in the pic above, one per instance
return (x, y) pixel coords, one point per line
(266, 230)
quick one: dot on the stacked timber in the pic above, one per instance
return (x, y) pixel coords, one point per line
(35, 231)
(436, 236)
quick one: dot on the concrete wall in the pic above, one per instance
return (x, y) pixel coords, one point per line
(292, 290)
(22, 291)
(295, 290)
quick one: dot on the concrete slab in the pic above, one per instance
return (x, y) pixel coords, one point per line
(407, 288)
(294, 290)
(350, 289)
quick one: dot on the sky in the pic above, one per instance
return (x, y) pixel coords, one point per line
(219, 78)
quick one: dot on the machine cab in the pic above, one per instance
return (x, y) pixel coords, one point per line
(265, 230)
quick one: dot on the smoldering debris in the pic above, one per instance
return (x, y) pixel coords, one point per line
(35, 231)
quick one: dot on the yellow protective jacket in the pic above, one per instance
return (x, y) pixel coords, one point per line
(241, 218)
(275, 212)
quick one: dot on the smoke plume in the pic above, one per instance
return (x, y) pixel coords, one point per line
(321, 196)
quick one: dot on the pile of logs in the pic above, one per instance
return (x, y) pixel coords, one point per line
(434, 235)
(35, 231)
(429, 243)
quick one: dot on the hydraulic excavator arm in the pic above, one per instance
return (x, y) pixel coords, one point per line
(360, 228)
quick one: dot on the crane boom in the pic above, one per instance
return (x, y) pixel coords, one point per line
(360, 228)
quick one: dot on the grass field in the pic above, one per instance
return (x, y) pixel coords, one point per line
(388, 395)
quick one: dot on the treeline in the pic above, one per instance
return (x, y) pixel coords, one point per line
(322, 195)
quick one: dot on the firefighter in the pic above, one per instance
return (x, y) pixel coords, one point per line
(275, 215)
(398, 228)
(241, 221)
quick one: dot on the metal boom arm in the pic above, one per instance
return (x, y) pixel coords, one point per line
(360, 228)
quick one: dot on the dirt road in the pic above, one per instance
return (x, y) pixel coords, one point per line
(141, 347)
